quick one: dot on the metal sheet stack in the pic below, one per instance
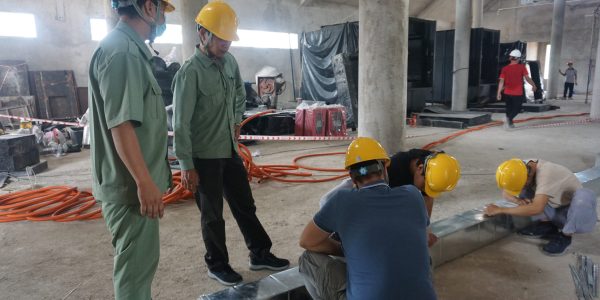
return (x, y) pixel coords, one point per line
(585, 277)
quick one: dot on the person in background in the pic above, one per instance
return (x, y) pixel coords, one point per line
(570, 80)
(511, 85)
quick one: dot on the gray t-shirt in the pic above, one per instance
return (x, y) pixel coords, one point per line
(571, 75)
(556, 182)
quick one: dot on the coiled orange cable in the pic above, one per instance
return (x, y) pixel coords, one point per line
(67, 204)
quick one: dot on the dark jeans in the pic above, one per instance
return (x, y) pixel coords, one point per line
(227, 177)
(513, 106)
(568, 87)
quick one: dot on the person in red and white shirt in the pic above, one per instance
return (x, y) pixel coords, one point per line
(511, 80)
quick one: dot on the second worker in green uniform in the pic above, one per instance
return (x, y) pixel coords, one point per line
(209, 102)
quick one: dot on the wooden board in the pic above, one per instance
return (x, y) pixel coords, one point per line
(56, 94)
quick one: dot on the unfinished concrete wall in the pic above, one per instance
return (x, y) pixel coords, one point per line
(67, 44)
(534, 24)
(61, 44)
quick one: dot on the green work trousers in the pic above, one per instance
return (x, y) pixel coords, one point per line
(137, 250)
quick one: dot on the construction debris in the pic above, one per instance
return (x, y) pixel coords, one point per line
(585, 278)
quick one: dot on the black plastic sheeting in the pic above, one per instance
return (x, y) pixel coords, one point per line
(317, 50)
(536, 76)
(506, 48)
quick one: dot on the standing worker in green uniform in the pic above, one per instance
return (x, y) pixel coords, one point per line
(209, 103)
(129, 143)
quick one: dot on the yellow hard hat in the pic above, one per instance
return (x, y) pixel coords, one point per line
(364, 149)
(220, 19)
(511, 176)
(168, 5)
(442, 173)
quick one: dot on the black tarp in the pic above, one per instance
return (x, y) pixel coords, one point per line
(317, 50)
(506, 48)
(536, 76)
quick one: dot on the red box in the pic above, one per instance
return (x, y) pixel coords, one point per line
(315, 121)
(336, 121)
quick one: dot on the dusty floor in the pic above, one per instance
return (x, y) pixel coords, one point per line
(74, 260)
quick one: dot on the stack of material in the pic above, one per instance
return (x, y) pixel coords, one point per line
(325, 120)
(15, 95)
(585, 277)
(21, 106)
(56, 93)
(49, 95)
(345, 68)
(18, 152)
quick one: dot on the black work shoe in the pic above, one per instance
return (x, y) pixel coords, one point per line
(557, 246)
(268, 261)
(226, 275)
(538, 230)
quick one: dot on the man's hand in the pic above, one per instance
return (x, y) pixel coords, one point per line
(534, 88)
(237, 129)
(575, 82)
(150, 198)
(560, 71)
(189, 180)
(492, 210)
(431, 239)
(523, 201)
(499, 97)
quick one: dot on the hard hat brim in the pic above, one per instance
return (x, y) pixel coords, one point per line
(513, 193)
(430, 192)
(169, 7)
(232, 38)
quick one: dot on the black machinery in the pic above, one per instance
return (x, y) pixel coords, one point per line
(483, 66)
(330, 66)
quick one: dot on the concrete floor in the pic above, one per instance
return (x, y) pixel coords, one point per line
(74, 260)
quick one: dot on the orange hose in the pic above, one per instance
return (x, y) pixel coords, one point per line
(495, 123)
(67, 204)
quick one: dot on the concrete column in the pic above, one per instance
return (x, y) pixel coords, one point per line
(383, 57)
(189, 9)
(556, 39)
(112, 18)
(595, 110)
(462, 42)
(477, 10)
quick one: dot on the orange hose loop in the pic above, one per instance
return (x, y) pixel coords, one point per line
(315, 168)
(34, 210)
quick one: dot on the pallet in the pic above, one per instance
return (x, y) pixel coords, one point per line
(500, 107)
(454, 120)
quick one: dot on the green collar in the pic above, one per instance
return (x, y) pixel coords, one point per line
(125, 28)
(203, 59)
